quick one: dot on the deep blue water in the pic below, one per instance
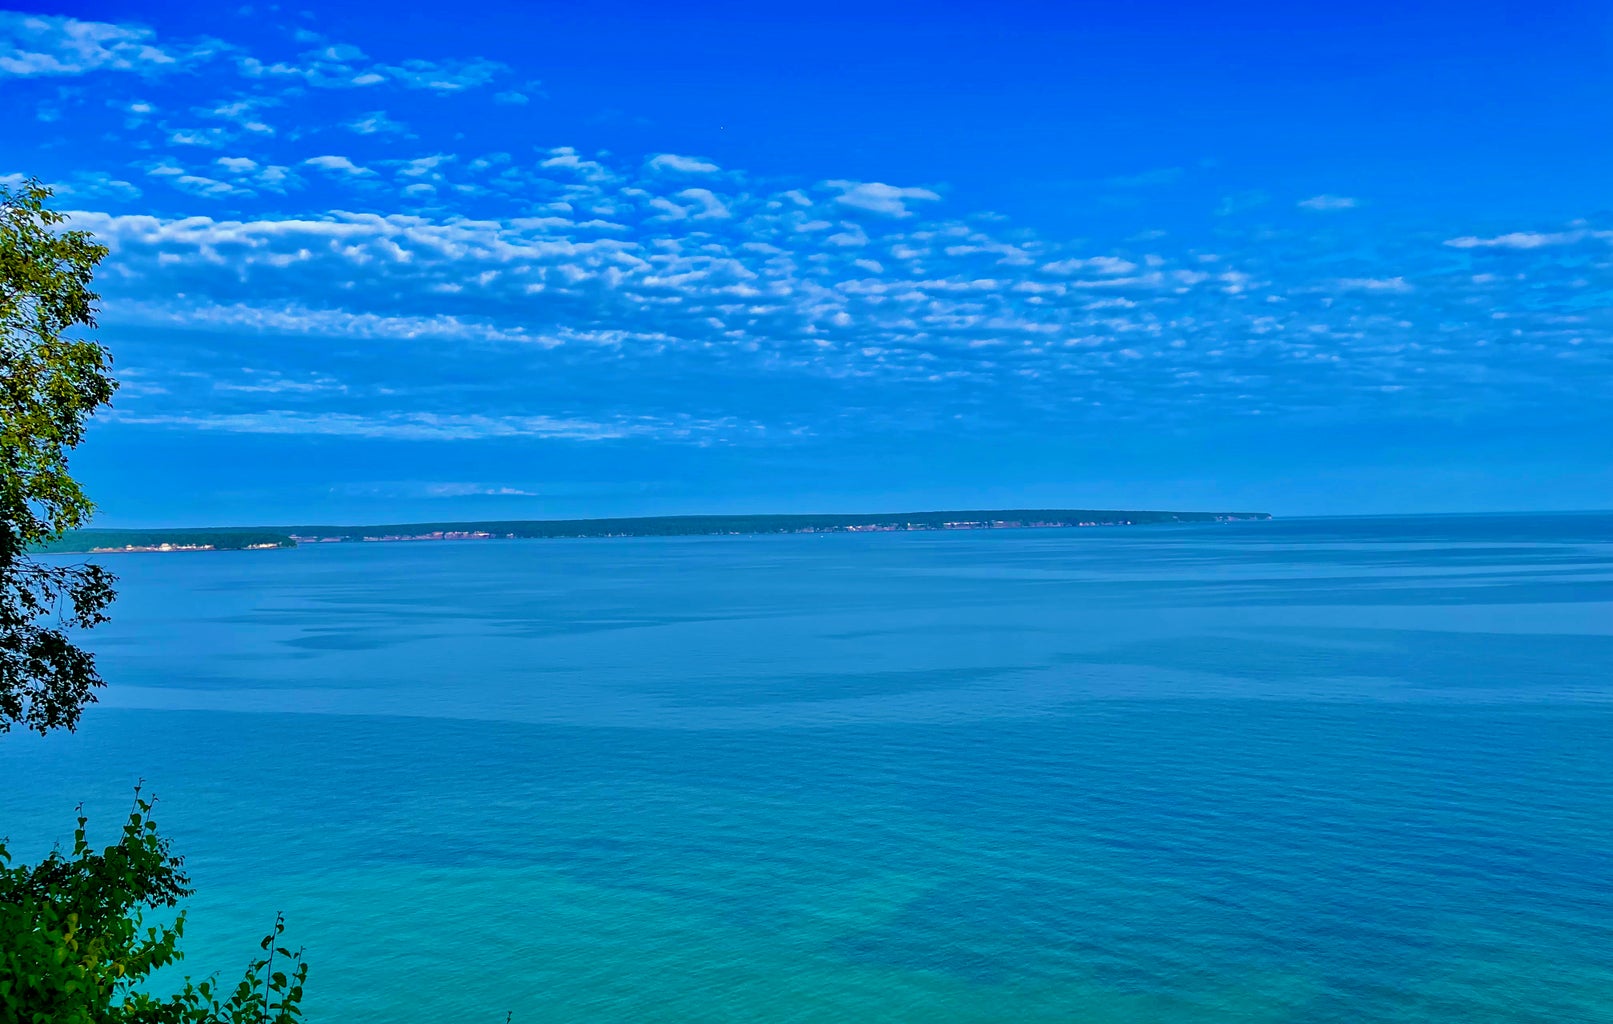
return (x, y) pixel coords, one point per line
(1313, 770)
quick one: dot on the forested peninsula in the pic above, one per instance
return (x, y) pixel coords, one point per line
(269, 537)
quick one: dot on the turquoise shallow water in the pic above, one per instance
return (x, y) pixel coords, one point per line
(1320, 771)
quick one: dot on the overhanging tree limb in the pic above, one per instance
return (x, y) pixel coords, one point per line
(50, 385)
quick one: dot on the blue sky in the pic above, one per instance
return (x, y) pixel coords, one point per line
(377, 263)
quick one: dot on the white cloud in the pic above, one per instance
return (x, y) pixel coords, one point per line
(277, 178)
(878, 197)
(606, 271)
(376, 122)
(340, 66)
(1329, 202)
(259, 383)
(682, 164)
(443, 76)
(195, 184)
(337, 165)
(461, 490)
(424, 166)
(331, 323)
(1375, 284)
(211, 138)
(852, 235)
(568, 159)
(1528, 239)
(711, 207)
(48, 45)
(210, 188)
(433, 426)
(669, 209)
(598, 270)
(84, 185)
(1096, 264)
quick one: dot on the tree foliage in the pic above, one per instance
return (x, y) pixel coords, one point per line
(50, 385)
(77, 949)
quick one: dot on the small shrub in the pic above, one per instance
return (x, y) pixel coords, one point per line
(75, 947)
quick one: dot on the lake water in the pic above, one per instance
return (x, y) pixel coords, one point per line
(1350, 770)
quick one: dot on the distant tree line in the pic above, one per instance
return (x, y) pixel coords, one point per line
(235, 539)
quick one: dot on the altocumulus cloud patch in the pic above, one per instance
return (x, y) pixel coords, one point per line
(287, 200)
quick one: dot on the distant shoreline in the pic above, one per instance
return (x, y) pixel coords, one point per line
(269, 538)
